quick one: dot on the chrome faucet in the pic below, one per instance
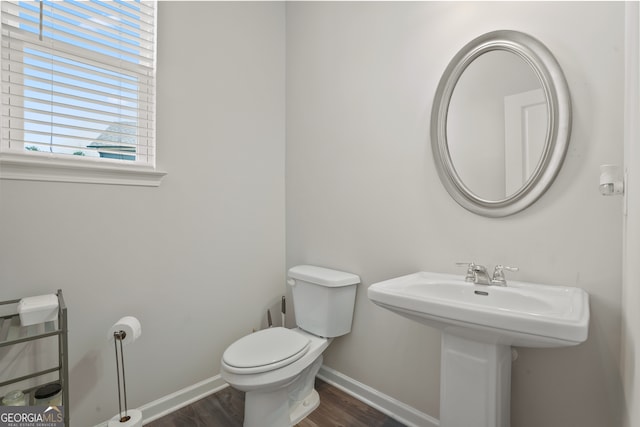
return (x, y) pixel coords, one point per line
(478, 274)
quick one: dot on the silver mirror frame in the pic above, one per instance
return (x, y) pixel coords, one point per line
(556, 91)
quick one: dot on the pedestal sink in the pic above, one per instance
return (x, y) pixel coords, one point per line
(479, 324)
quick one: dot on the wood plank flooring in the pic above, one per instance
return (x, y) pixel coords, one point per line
(226, 409)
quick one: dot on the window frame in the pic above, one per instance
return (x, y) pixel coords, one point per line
(42, 166)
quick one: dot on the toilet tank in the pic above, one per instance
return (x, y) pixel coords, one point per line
(323, 299)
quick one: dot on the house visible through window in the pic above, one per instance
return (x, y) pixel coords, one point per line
(78, 80)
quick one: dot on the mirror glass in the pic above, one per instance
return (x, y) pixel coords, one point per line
(496, 124)
(500, 123)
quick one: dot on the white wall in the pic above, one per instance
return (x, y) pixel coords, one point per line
(363, 194)
(631, 283)
(197, 260)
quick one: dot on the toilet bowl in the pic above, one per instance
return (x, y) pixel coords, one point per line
(276, 367)
(279, 388)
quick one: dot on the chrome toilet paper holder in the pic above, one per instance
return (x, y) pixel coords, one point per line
(118, 337)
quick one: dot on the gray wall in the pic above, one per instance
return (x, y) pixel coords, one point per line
(630, 280)
(363, 194)
(197, 260)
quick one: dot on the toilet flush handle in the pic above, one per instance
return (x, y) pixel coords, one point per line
(291, 282)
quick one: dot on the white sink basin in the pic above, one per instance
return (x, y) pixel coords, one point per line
(519, 314)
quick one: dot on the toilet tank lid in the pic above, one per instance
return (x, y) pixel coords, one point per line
(323, 276)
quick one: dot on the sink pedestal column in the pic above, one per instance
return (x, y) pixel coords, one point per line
(475, 383)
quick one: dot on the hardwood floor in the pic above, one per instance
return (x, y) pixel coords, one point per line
(226, 409)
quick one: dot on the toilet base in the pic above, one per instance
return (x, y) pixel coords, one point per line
(269, 409)
(272, 409)
(304, 408)
(283, 407)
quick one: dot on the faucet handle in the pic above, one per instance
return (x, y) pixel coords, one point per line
(498, 274)
(470, 277)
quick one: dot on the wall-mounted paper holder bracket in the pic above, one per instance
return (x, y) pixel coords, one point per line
(611, 180)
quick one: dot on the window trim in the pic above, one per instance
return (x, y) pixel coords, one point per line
(17, 165)
(29, 167)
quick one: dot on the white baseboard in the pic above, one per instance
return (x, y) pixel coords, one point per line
(179, 399)
(386, 404)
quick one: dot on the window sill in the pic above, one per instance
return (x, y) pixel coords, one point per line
(56, 169)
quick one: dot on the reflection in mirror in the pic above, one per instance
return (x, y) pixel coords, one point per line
(496, 124)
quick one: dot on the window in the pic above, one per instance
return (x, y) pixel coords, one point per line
(78, 90)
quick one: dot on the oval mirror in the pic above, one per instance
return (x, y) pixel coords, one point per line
(500, 123)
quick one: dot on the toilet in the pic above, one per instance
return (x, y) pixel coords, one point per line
(276, 367)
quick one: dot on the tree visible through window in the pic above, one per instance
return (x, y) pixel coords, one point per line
(78, 78)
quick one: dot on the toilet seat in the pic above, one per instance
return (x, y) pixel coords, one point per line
(265, 351)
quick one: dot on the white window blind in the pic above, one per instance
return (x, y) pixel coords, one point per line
(78, 79)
